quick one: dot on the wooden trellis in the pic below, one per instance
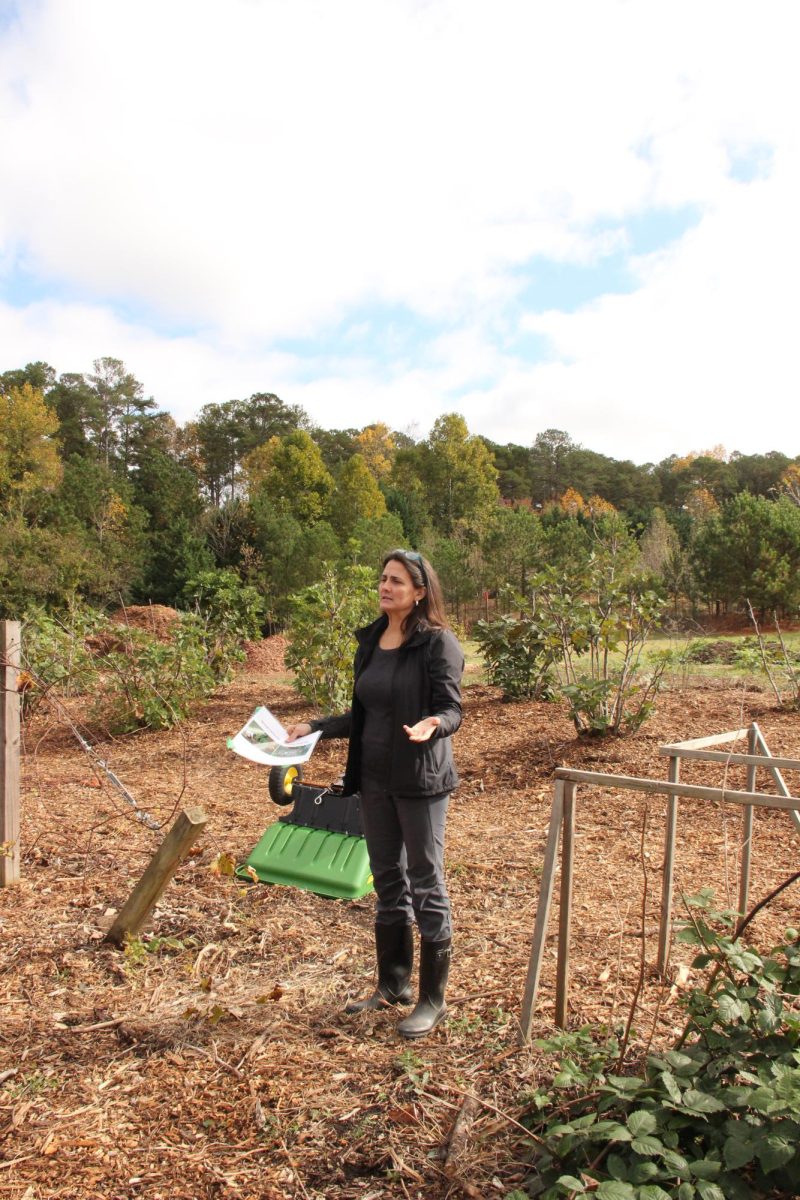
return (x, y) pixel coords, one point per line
(562, 828)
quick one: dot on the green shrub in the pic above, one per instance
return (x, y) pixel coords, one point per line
(717, 1117)
(56, 649)
(229, 612)
(605, 624)
(147, 684)
(518, 655)
(135, 680)
(321, 644)
(226, 603)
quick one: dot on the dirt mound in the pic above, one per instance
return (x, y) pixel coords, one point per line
(157, 619)
(101, 644)
(266, 655)
(714, 652)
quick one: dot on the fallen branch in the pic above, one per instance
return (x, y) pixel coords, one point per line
(459, 1132)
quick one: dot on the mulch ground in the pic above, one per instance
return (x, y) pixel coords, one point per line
(212, 1058)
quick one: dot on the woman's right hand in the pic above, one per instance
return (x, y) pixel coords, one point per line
(293, 732)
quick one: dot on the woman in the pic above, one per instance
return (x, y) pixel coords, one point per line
(406, 705)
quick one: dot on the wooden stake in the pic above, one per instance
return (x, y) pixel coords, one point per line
(542, 911)
(162, 866)
(673, 775)
(565, 905)
(9, 752)
(747, 828)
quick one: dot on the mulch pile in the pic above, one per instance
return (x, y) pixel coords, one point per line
(266, 656)
(157, 619)
(212, 1058)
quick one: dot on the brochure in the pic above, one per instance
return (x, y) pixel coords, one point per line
(264, 740)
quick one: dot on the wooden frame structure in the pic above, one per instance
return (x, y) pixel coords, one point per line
(562, 827)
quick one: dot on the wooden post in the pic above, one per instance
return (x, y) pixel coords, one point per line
(747, 827)
(565, 905)
(665, 926)
(162, 866)
(542, 911)
(9, 752)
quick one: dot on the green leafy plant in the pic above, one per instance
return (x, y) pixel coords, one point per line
(57, 652)
(519, 657)
(229, 611)
(414, 1068)
(136, 681)
(606, 625)
(320, 634)
(139, 950)
(150, 684)
(33, 1084)
(716, 1117)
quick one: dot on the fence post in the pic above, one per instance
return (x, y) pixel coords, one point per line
(542, 911)
(9, 752)
(747, 826)
(565, 905)
(162, 866)
(665, 926)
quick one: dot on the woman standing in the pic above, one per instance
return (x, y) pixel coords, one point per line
(406, 705)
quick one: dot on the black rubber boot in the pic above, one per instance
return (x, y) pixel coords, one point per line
(430, 1010)
(394, 949)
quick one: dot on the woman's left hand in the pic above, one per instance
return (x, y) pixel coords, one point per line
(423, 730)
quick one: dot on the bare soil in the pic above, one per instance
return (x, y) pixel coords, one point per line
(212, 1057)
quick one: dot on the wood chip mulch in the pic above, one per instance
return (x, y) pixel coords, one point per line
(212, 1057)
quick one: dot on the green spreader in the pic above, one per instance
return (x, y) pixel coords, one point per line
(318, 846)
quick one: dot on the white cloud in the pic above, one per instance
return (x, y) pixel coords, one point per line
(250, 170)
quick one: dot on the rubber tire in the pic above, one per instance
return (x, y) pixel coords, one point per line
(281, 782)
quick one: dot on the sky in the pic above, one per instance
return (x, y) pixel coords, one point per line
(579, 215)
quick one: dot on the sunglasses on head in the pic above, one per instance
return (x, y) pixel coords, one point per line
(413, 556)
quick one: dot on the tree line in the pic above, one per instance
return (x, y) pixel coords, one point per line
(105, 497)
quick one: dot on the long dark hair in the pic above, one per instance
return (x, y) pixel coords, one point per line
(429, 613)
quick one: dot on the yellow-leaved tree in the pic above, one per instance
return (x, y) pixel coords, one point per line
(29, 458)
(790, 483)
(376, 446)
(572, 502)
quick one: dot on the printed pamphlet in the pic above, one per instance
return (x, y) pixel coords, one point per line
(264, 740)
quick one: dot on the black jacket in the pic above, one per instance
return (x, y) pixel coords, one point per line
(427, 683)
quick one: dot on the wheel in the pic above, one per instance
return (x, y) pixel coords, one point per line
(281, 782)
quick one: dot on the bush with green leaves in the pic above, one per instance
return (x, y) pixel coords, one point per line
(518, 654)
(225, 602)
(605, 624)
(56, 650)
(321, 644)
(149, 684)
(229, 611)
(136, 681)
(715, 1117)
(582, 642)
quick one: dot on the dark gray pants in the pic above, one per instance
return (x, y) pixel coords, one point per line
(405, 840)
